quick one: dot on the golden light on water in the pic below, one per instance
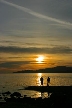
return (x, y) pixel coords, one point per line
(38, 78)
(39, 74)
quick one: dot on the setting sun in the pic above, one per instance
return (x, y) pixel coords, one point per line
(40, 59)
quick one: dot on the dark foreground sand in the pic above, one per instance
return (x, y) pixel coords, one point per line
(58, 99)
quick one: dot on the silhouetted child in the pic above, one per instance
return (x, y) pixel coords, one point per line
(41, 79)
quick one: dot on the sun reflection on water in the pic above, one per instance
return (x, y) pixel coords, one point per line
(39, 94)
(43, 95)
(39, 74)
(38, 79)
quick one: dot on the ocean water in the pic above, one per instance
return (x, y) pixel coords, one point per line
(17, 82)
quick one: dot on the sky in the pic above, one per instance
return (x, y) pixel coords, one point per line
(30, 29)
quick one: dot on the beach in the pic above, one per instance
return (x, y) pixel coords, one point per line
(61, 97)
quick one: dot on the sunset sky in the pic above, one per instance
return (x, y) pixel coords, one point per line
(35, 34)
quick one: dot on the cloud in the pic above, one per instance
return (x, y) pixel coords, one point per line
(13, 64)
(37, 14)
(8, 65)
(31, 50)
(16, 64)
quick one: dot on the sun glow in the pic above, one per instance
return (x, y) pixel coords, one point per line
(40, 59)
(39, 74)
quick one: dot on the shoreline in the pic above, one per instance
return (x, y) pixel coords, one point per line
(58, 99)
(50, 88)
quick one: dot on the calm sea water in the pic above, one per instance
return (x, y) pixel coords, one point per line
(17, 82)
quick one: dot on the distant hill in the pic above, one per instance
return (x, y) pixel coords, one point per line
(58, 69)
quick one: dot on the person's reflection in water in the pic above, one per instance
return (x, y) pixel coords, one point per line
(41, 79)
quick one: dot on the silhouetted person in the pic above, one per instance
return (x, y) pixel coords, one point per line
(41, 79)
(48, 81)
